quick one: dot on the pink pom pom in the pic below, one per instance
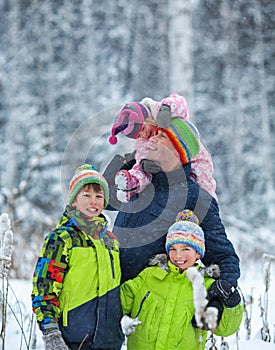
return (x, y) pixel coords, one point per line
(113, 140)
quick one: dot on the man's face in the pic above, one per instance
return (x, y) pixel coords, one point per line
(161, 149)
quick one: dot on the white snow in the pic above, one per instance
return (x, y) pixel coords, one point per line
(251, 282)
(210, 314)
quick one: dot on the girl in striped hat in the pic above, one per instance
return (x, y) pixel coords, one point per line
(135, 120)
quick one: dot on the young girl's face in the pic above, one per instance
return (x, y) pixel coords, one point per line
(147, 131)
(183, 256)
(89, 201)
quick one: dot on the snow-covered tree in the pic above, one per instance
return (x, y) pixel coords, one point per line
(64, 66)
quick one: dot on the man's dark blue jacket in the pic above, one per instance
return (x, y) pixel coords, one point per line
(142, 224)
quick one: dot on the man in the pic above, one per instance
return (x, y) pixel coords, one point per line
(142, 224)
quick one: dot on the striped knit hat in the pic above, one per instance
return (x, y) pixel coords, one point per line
(129, 121)
(185, 138)
(186, 230)
(84, 175)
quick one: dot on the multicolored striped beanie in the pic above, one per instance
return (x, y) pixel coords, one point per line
(84, 175)
(186, 230)
(185, 137)
(129, 121)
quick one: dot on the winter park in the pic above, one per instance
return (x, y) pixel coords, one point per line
(160, 114)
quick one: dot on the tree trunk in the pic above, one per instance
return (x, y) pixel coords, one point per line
(180, 49)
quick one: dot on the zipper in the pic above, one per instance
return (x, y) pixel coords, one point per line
(96, 326)
(65, 311)
(142, 302)
(112, 263)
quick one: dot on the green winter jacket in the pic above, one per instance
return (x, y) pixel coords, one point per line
(163, 302)
(76, 281)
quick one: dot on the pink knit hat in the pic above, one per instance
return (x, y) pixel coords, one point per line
(129, 121)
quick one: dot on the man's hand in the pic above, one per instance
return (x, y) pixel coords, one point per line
(223, 290)
(149, 166)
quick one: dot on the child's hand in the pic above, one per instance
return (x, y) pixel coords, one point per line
(128, 324)
(164, 116)
(209, 319)
(211, 316)
(53, 340)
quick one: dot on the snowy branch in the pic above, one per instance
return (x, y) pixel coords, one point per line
(6, 244)
(199, 292)
(205, 317)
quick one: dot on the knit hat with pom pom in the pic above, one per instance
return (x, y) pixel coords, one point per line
(129, 121)
(84, 175)
(186, 230)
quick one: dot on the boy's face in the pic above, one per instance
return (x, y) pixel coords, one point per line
(183, 256)
(89, 202)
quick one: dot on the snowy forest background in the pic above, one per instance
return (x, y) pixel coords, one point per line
(67, 66)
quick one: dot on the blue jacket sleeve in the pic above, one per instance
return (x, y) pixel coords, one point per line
(219, 249)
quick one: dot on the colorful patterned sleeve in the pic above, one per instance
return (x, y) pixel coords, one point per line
(48, 279)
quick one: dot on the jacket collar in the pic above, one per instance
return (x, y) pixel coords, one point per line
(163, 179)
(96, 226)
(161, 273)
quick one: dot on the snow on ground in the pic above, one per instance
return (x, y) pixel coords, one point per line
(250, 282)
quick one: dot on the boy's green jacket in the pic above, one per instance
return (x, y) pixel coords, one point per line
(76, 281)
(163, 302)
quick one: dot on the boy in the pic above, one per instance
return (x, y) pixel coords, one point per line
(160, 299)
(76, 281)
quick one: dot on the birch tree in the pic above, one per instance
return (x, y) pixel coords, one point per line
(12, 130)
(181, 49)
